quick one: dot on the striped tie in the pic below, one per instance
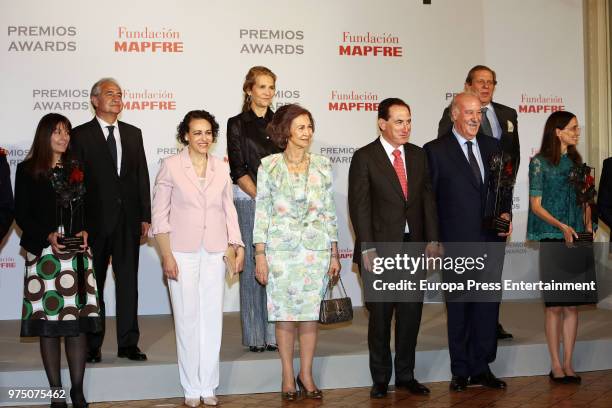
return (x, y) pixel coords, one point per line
(398, 165)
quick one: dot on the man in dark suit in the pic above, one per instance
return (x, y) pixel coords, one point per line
(604, 199)
(7, 210)
(498, 121)
(460, 177)
(118, 208)
(390, 200)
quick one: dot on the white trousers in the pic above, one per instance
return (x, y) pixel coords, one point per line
(197, 304)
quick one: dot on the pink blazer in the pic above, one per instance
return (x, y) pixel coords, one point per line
(193, 215)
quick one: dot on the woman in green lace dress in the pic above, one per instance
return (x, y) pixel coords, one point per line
(555, 217)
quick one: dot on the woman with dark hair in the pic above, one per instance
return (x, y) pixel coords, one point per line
(296, 241)
(194, 223)
(554, 218)
(60, 296)
(247, 144)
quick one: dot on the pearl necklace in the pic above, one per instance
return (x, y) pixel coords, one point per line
(295, 163)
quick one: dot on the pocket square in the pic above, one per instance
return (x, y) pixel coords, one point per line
(510, 127)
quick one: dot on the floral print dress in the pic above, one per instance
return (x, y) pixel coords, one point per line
(296, 218)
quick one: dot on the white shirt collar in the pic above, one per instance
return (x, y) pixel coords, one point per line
(389, 148)
(462, 140)
(489, 107)
(104, 124)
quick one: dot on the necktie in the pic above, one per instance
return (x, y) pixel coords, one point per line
(112, 144)
(485, 125)
(473, 162)
(398, 165)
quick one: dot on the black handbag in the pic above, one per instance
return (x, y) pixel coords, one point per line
(584, 237)
(335, 310)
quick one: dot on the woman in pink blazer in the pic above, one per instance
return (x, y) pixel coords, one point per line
(194, 221)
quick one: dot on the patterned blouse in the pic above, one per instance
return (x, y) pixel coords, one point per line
(558, 198)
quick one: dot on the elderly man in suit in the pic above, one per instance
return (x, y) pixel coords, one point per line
(118, 208)
(498, 121)
(604, 201)
(460, 175)
(391, 200)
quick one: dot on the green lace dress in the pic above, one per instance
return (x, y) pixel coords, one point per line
(558, 262)
(558, 198)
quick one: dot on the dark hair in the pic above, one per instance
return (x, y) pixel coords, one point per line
(41, 155)
(279, 127)
(551, 145)
(385, 106)
(470, 75)
(249, 81)
(183, 128)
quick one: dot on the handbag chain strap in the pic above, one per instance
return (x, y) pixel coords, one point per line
(330, 286)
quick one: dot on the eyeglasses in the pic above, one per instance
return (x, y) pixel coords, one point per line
(482, 82)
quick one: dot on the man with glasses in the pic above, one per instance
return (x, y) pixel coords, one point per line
(498, 121)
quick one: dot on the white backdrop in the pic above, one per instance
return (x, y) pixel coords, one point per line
(174, 57)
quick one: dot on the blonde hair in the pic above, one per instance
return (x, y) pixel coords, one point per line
(249, 81)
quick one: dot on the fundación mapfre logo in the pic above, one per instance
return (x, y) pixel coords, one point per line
(60, 99)
(7, 262)
(352, 100)
(34, 38)
(148, 40)
(345, 253)
(540, 103)
(271, 41)
(149, 100)
(370, 44)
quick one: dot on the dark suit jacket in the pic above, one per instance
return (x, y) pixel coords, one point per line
(107, 192)
(6, 197)
(507, 118)
(377, 206)
(462, 204)
(604, 201)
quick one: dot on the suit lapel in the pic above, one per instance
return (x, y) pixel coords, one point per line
(189, 171)
(500, 117)
(485, 155)
(318, 177)
(210, 172)
(456, 153)
(123, 135)
(506, 138)
(279, 171)
(411, 170)
(100, 145)
(385, 166)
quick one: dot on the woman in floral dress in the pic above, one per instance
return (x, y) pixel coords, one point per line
(296, 241)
